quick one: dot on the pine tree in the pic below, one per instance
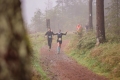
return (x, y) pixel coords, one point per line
(100, 21)
(90, 27)
(113, 16)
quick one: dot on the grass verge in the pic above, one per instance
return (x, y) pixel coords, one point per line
(103, 59)
(37, 41)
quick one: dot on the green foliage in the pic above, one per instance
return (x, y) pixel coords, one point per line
(66, 15)
(86, 41)
(113, 17)
(103, 59)
(37, 41)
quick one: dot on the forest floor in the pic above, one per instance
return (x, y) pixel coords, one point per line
(62, 67)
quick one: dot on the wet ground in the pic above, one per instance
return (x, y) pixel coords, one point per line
(62, 67)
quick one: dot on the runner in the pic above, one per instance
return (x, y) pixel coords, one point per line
(59, 40)
(78, 28)
(49, 35)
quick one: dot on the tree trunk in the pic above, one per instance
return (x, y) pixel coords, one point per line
(100, 21)
(90, 15)
(117, 14)
(14, 46)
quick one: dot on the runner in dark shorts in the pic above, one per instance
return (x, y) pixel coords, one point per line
(49, 35)
(59, 40)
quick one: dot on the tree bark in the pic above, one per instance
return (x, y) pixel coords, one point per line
(100, 21)
(14, 45)
(90, 15)
(117, 14)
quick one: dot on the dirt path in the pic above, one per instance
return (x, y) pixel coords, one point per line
(61, 67)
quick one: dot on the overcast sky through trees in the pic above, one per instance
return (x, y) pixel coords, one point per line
(30, 6)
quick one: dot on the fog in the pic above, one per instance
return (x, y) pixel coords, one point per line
(30, 6)
(64, 15)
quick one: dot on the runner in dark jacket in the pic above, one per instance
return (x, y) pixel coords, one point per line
(59, 40)
(49, 35)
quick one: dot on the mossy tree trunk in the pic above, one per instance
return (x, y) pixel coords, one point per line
(14, 45)
(100, 21)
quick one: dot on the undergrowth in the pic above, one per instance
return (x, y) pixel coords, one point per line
(37, 41)
(103, 59)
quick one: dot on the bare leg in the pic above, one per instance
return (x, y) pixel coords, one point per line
(58, 47)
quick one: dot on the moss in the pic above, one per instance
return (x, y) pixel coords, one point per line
(37, 41)
(103, 59)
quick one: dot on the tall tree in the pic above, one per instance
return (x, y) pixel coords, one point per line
(14, 45)
(113, 16)
(90, 15)
(100, 21)
(37, 21)
(73, 13)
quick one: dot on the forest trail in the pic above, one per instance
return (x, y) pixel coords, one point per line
(62, 67)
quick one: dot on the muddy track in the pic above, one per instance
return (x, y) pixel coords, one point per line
(62, 67)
